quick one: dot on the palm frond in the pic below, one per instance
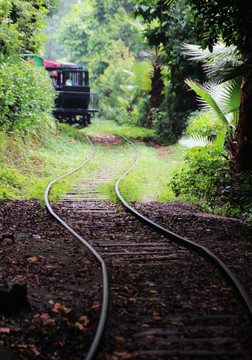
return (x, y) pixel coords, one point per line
(143, 71)
(231, 96)
(233, 72)
(129, 73)
(215, 62)
(220, 50)
(137, 24)
(205, 92)
(130, 91)
(123, 102)
(220, 139)
(194, 141)
(147, 54)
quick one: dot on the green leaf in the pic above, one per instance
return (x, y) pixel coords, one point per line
(220, 139)
(204, 94)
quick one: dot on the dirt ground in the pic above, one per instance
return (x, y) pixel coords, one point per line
(60, 275)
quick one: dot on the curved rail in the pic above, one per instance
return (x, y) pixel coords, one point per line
(104, 311)
(201, 250)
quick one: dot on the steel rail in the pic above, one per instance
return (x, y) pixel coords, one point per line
(191, 245)
(105, 301)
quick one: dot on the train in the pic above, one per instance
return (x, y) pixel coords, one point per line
(75, 103)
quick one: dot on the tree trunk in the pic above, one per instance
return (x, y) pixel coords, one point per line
(157, 85)
(243, 156)
(241, 147)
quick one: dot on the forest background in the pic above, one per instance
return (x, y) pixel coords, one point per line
(138, 82)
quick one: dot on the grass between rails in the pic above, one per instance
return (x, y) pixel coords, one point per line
(149, 180)
(108, 127)
(28, 167)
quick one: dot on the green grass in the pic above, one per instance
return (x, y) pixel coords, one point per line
(29, 164)
(149, 180)
(109, 127)
(27, 169)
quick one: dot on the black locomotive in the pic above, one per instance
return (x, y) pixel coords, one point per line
(74, 103)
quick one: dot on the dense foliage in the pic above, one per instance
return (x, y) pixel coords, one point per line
(27, 96)
(210, 21)
(167, 28)
(203, 124)
(100, 36)
(93, 31)
(231, 20)
(139, 70)
(26, 19)
(26, 93)
(205, 176)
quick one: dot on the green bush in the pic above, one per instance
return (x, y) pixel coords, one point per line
(11, 181)
(170, 127)
(117, 114)
(21, 27)
(203, 124)
(26, 96)
(142, 109)
(205, 176)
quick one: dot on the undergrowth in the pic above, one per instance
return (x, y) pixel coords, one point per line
(28, 164)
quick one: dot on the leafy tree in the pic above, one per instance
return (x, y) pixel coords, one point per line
(232, 22)
(53, 48)
(91, 34)
(28, 19)
(110, 81)
(166, 29)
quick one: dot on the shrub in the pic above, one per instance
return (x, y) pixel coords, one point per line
(142, 109)
(205, 175)
(170, 127)
(203, 124)
(117, 114)
(164, 126)
(26, 96)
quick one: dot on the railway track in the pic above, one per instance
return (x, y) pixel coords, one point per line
(156, 291)
(144, 296)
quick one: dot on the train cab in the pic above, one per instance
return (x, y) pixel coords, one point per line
(75, 103)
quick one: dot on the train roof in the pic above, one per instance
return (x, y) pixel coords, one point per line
(51, 63)
(33, 59)
(67, 65)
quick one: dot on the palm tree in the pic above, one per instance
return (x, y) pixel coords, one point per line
(225, 98)
(223, 91)
(157, 83)
(140, 84)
